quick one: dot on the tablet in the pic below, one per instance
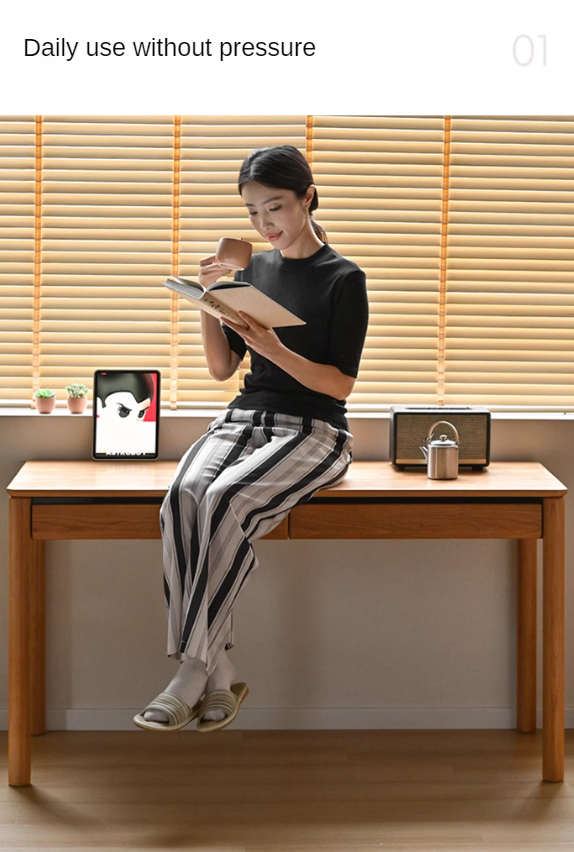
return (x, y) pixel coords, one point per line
(126, 414)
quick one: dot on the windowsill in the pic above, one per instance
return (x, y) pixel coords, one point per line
(211, 413)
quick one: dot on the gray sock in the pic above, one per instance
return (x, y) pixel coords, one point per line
(188, 684)
(222, 677)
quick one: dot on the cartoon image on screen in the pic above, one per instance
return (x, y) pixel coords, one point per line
(126, 413)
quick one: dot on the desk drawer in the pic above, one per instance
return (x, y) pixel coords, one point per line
(105, 521)
(416, 520)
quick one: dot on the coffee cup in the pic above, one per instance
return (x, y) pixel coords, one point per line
(234, 254)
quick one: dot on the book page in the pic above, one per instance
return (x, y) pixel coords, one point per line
(193, 292)
(185, 286)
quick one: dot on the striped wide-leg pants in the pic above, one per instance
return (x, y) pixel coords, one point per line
(233, 486)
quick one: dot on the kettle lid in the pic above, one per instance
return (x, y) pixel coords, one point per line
(443, 441)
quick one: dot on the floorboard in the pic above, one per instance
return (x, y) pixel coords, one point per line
(289, 791)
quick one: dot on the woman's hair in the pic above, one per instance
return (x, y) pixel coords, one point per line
(282, 167)
(138, 384)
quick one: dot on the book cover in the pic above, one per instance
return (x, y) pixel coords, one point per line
(225, 298)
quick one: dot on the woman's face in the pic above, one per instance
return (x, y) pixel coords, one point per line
(278, 215)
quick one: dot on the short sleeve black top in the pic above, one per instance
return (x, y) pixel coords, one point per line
(330, 294)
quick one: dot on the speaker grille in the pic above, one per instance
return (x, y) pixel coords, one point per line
(411, 429)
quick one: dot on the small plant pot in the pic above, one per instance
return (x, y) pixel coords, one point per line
(45, 404)
(77, 404)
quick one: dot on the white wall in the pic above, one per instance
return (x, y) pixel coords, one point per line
(328, 633)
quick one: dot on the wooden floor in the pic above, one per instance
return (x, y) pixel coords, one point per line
(289, 791)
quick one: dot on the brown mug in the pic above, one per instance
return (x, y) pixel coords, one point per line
(234, 254)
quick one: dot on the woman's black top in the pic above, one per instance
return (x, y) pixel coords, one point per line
(330, 294)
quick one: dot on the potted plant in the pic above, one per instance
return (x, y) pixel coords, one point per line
(45, 401)
(77, 398)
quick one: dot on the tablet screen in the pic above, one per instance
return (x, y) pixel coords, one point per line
(126, 414)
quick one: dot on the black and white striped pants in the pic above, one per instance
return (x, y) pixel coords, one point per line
(233, 486)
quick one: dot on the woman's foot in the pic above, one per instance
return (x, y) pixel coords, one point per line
(189, 684)
(222, 677)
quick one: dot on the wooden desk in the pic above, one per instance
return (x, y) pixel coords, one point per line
(120, 500)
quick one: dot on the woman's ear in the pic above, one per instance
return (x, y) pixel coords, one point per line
(309, 195)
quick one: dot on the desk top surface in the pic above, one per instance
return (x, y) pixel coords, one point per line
(364, 479)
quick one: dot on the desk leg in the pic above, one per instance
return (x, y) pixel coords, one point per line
(526, 637)
(553, 638)
(21, 557)
(38, 638)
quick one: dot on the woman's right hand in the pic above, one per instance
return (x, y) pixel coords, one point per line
(210, 271)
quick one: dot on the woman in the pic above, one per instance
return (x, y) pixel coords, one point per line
(280, 440)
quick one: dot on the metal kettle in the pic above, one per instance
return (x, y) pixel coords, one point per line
(441, 453)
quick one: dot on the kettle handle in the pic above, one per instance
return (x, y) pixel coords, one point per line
(443, 423)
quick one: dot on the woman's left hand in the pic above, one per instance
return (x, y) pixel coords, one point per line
(261, 339)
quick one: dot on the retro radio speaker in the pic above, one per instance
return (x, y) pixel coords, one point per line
(410, 425)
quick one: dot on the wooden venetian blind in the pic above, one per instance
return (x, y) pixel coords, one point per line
(106, 243)
(379, 182)
(17, 251)
(510, 304)
(212, 150)
(463, 226)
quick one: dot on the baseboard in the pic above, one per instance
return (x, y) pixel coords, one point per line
(110, 719)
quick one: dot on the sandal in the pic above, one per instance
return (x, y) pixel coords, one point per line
(228, 700)
(177, 711)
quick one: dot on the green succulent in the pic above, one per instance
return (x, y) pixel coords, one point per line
(77, 390)
(45, 393)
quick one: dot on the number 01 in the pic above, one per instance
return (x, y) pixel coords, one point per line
(525, 45)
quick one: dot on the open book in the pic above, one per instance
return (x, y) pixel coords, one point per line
(224, 298)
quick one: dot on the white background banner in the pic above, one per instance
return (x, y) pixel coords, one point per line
(123, 56)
